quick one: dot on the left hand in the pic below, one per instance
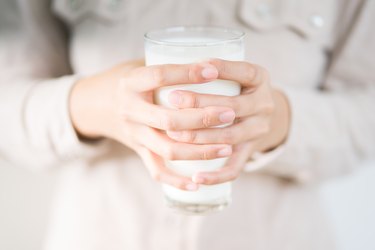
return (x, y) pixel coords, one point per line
(262, 118)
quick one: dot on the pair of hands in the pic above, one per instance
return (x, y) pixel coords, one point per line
(119, 104)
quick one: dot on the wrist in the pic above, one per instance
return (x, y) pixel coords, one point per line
(89, 107)
(279, 124)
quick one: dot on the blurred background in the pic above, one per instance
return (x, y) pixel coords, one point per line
(25, 200)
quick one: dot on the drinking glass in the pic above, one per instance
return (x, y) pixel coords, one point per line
(183, 45)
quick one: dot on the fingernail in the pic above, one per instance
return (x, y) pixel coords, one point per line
(174, 134)
(210, 72)
(198, 179)
(175, 98)
(227, 151)
(227, 116)
(191, 187)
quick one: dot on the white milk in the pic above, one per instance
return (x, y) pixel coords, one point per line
(182, 54)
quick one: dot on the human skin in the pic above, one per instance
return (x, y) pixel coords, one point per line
(118, 104)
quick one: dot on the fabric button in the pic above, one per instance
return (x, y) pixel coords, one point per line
(75, 4)
(111, 10)
(263, 10)
(114, 4)
(316, 21)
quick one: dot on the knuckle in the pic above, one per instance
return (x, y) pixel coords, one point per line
(158, 74)
(124, 115)
(193, 101)
(190, 136)
(193, 75)
(169, 152)
(190, 100)
(206, 120)
(217, 62)
(228, 136)
(156, 175)
(251, 72)
(233, 102)
(264, 129)
(268, 108)
(212, 180)
(205, 155)
(232, 175)
(257, 73)
(166, 122)
(179, 185)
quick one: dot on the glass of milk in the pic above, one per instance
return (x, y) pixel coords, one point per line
(182, 45)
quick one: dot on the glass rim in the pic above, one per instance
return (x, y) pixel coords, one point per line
(237, 35)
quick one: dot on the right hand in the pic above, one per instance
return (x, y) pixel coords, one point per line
(119, 104)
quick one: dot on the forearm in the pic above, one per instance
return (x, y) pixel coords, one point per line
(331, 133)
(90, 108)
(36, 128)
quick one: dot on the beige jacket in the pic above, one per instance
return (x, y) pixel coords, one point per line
(321, 53)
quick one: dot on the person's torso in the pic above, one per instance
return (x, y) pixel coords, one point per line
(291, 39)
(114, 194)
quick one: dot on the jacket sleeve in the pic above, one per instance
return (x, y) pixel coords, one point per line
(35, 126)
(333, 129)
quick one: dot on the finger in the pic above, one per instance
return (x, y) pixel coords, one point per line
(133, 64)
(171, 150)
(247, 74)
(161, 173)
(242, 105)
(152, 77)
(230, 171)
(250, 128)
(170, 119)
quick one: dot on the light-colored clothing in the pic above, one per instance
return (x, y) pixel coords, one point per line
(321, 53)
